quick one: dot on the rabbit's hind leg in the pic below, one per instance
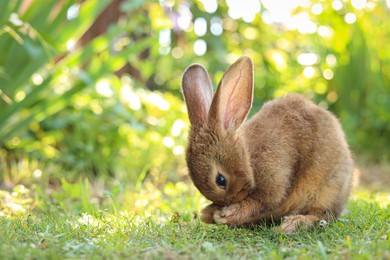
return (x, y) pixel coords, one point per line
(291, 223)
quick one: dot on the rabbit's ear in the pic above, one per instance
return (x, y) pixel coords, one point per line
(198, 93)
(234, 96)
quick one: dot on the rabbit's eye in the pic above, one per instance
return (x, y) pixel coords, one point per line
(221, 181)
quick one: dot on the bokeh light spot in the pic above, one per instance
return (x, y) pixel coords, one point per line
(317, 9)
(210, 6)
(309, 72)
(328, 74)
(216, 26)
(200, 47)
(307, 59)
(200, 26)
(337, 5)
(350, 18)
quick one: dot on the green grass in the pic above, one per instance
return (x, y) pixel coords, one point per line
(55, 231)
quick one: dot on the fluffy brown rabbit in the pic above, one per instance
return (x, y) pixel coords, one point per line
(290, 160)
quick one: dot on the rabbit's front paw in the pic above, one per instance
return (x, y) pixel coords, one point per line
(207, 214)
(229, 215)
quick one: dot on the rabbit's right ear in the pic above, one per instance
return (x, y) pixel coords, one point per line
(198, 93)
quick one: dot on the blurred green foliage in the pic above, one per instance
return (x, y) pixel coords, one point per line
(109, 103)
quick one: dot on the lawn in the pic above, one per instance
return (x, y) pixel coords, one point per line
(66, 227)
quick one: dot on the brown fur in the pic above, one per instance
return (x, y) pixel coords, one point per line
(290, 160)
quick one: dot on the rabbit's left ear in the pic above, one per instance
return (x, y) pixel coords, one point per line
(233, 98)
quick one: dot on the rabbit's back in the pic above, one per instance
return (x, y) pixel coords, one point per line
(299, 156)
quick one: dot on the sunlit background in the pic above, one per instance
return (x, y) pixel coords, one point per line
(90, 101)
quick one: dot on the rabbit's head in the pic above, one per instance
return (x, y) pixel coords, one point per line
(217, 157)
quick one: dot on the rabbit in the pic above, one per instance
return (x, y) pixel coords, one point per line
(289, 162)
